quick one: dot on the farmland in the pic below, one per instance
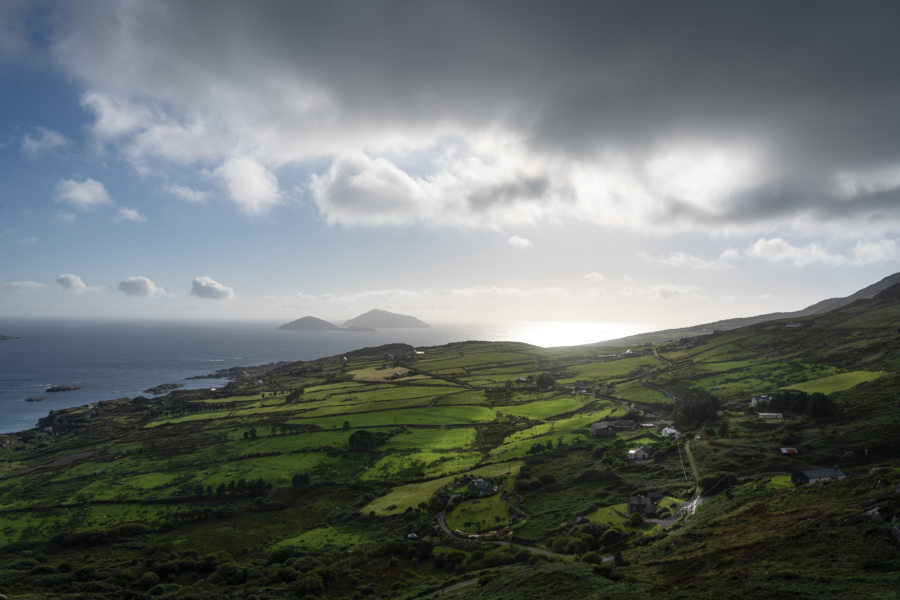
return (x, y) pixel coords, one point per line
(326, 478)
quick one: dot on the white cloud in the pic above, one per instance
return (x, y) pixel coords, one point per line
(186, 193)
(664, 291)
(129, 214)
(43, 140)
(509, 291)
(683, 259)
(520, 242)
(141, 287)
(71, 283)
(206, 287)
(863, 253)
(594, 276)
(21, 286)
(82, 194)
(253, 187)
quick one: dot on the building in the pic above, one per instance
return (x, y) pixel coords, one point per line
(816, 475)
(670, 432)
(761, 398)
(768, 415)
(482, 487)
(602, 428)
(642, 453)
(643, 505)
(790, 451)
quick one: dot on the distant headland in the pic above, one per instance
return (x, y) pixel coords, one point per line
(371, 321)
(8, 337)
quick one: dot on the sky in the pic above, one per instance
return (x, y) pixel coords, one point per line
(653, 163)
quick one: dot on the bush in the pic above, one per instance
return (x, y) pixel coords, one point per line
(148, 580)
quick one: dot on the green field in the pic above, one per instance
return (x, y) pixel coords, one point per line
(836, 383)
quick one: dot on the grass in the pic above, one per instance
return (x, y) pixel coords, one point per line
(322, 537)
(477, 515)
(837, 383)
(410, 495)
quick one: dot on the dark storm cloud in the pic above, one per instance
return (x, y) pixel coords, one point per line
(813, 86)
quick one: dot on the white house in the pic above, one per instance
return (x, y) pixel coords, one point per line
(641, 453)
(670, 432)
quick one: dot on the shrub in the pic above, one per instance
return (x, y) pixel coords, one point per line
(148, 580)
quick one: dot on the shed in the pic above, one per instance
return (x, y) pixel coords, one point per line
(816, 475)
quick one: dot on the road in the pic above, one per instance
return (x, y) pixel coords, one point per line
(452, 588)
(442, 521)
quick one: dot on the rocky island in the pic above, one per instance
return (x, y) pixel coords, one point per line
(8, 337)
(62, 388)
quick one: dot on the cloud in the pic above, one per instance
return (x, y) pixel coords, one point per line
(594, 276)
(863, 253)
(206, 287)
(186, 193)
(129, 214)
(43, 140)
(21, 286)
(82, 194)
(140, 287)
(520, 242)
(253, 187)
(71, 283)
(609, 117)
(683, 259)
(663, 291)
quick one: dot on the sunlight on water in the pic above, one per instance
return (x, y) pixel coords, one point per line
(550, 334)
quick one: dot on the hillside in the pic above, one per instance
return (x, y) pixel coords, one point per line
(309, 324)
(358, 475)
(818, 308)
(382, 319)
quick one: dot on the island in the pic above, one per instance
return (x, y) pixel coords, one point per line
(8, 337)
(34, 399)
(309, 324)
(382, 319)
(317, 324)
(62, 388)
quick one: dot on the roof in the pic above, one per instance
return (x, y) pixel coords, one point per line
(823, 473)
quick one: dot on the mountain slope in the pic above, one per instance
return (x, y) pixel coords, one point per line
(818, 308)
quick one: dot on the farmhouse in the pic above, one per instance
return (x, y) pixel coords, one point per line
(761, 398)
(670, 432)
(768, 415)
(816, 475)
(642, 453)
(643, 505)
(482, 487)
(623, 424)
(790, 451)
(602, 428)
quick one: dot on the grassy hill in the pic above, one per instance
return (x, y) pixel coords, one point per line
(347, 477)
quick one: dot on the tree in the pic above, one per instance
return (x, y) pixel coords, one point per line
(545, 381)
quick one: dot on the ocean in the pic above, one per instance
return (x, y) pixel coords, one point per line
(115, 359)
